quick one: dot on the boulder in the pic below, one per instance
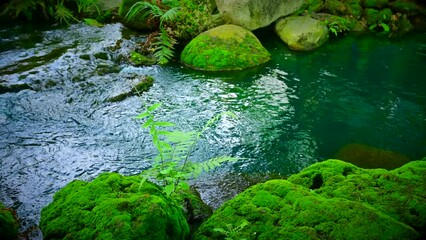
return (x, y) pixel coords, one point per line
(113, 207)
(136, 22)
(278, 209)
(399, 193)
(8, 223)
(302, 32)
(371, 157)
(227, 47)
(254, 14)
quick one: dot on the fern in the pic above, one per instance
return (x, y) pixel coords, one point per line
(63, 14)
(171, 167)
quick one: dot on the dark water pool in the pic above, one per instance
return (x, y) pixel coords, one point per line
(298, 109)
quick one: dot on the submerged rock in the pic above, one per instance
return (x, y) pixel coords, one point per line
(254, 14)
(227, 47)
(112, 207)
(399, 193)
(8, 224)
(302, 32)
(370, 157)
(136, 86)
(278, 209)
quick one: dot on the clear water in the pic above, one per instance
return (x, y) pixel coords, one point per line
(297, 109)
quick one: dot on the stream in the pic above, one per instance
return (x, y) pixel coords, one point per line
(296, 110)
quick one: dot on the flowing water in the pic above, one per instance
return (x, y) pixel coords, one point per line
(298, 109)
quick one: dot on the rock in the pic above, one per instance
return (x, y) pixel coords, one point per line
(370, 157)
(8, 224)
(138, 59)
(399, 193)
(138, 86)
(302, 32)
(408, 7)
(278, 209)
(227, 47)
(344, 7)
(112, 207)
(135, 22)
(254, 14)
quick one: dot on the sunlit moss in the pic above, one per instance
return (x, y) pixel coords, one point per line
(399, 193)
(278, 209)
(227, 47)
(112, 207)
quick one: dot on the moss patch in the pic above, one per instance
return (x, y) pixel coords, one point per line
(111, 207)
(8, 224)
(227, 47)
(399, 193)
(279, 209)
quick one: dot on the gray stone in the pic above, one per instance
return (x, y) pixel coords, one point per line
(254, 14)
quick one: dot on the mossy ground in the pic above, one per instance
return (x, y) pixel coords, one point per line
(279, 209)
(112, 207)
(399, 193)
(227, 47)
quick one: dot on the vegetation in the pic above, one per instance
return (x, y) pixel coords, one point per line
(172, 168)
(8, 223)
(176, 20)
(60, 10)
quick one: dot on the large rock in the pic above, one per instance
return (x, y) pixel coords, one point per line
(279, 209)
(113, 207)
(399, 193)
(8, 224)
(227, 47)
(302, 32)
(253, 14)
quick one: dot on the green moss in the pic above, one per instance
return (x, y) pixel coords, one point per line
(344, 7)
(375, 3)
(138, 59)
(399, 193)
(405, 6)
(227, 47)
(278, 209)
(8, 224)
(111, 207)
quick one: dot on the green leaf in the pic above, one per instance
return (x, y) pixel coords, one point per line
(164, 124)
(153, 107)
(184, 185)
(168, 189)
(148, 123)
(142, 182)
(143, 115)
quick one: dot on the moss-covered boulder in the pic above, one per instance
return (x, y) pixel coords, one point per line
(112, 207)
(366, 156)
(278, 209)
(136, 22)
(302, 33)
(344, 7)
(254, 14)
(374, 3)
(8, 223)
(399, 193)
(227, 47)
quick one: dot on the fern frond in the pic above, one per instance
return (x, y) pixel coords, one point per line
(198, 168)
(163, 48)
(138, 7)
(170, 15)
(63, 14)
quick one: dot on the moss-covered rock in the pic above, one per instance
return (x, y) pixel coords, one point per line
(8, 224)
(136, 22)
(374, 3)
(371, 157)
(399, 193)
(227, 47)
(278, 209)
(407, 7)
(138, 86)
(344, 7)
(302, 32)
(112, 207)
(138, 59)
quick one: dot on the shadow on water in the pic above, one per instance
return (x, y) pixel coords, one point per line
(297, 109)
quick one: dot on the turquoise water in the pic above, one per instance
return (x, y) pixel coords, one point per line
(297, 109)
